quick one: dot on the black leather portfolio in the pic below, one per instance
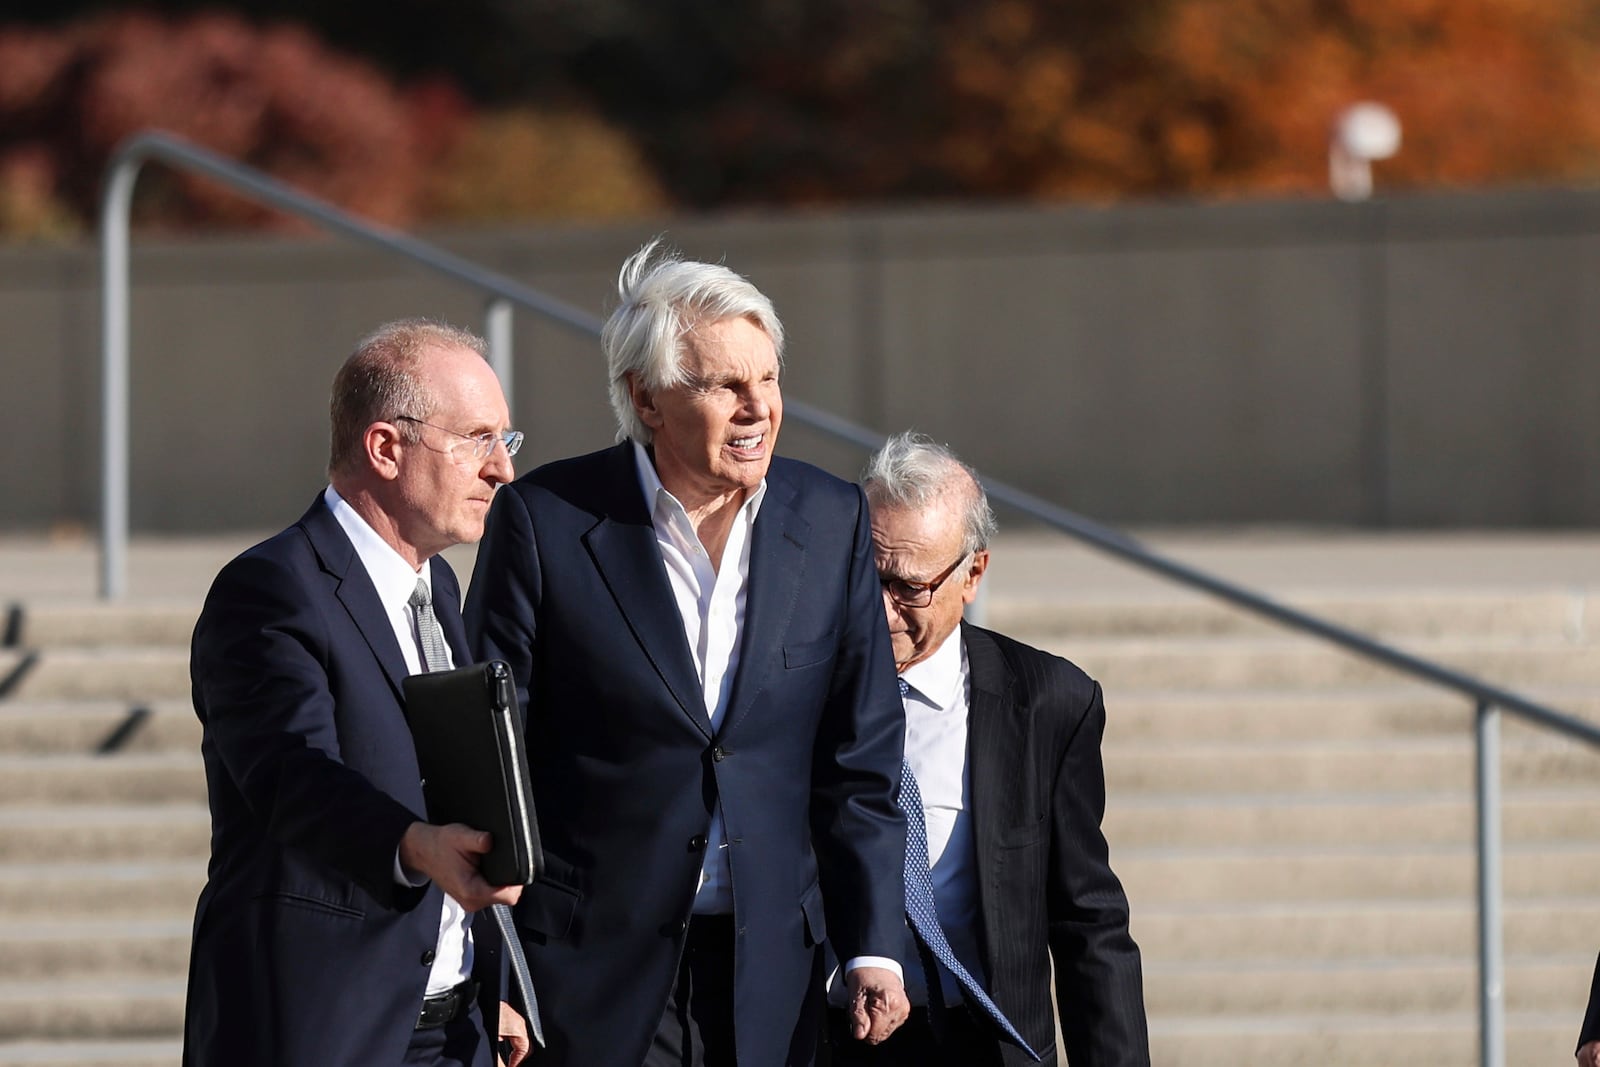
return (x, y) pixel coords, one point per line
(468, 732)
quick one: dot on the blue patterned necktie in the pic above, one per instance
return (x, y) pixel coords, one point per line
(925, 919)
(435, 657)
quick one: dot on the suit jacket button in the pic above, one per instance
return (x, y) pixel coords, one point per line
(697, 842)
(719, 754)
(427, 958)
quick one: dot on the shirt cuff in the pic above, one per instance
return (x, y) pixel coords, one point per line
(400, 875)
(876, 961)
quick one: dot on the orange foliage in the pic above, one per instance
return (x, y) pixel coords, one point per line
(271, 97)
(1229, 96)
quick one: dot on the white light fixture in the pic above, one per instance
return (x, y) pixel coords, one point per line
(1363, 132)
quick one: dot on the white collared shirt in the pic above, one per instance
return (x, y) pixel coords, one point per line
(711, 604)
(937, 708)
(395, 581)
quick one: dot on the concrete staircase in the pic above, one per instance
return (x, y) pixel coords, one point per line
(1294, 826)
(103, 832)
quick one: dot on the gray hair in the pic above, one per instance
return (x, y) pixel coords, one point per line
(912, 470)
(663, 297)
(382, 380)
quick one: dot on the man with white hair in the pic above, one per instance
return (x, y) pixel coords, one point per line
(713, 726)
(1003, 745)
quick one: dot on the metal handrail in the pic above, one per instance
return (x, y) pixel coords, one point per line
(115, 205)
(1488, 699)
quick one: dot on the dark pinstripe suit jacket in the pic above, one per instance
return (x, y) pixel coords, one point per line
(1044, 879)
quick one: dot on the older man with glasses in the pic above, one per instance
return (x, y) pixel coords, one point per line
(1006, 867)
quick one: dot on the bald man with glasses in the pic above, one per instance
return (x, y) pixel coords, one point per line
(338, 926)
(1003, 761)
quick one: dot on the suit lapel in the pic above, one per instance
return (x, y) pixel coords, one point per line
(996, 750)
(355, 590)
(777, 569)
(447, 608)
(623, 547)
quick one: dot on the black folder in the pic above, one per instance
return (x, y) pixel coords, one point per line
(468, 732)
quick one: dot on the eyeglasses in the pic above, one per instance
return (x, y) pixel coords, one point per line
(910, 594)
(482, 443)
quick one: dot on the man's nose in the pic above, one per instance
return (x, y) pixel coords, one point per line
(498, 466)
(756, 404)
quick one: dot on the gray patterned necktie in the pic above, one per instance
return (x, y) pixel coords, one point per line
(932, 944)
(436, 657)
(430, 637)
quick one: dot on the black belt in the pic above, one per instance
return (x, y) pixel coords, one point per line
(444, 1008)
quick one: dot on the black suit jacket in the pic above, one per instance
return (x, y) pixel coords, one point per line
(306, 950)
(571, 591)
(1044, 877)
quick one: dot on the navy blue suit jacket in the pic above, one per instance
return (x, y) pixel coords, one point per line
(306, 950)
(571, 591)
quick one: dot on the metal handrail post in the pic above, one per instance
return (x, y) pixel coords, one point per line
(114, 215)
(115, 207)
(1491, 950)
(497, 331)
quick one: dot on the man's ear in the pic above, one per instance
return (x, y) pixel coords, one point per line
(644, 401)
(974, 575)
(383, 445)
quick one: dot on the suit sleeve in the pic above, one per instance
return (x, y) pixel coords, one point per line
(1099, 979)
(261, 660)
(504, 591)
(858, 831)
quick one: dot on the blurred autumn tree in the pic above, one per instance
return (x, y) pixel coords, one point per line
(840, 100)
(585, 107)
(277, 98)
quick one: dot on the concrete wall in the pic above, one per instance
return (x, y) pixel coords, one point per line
(1416, 362)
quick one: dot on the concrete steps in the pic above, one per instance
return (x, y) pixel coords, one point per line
(1142, 819)
(156, 1052)
(83, 727)
(1446, 985)
(88, 947)
(1422, 1039)
(98, 1007)
(107, 832)
(1294, 825)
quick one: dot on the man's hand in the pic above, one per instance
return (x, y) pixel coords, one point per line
(878, 1003)
(450, 855)
(513, 1032)
(1589, 1055)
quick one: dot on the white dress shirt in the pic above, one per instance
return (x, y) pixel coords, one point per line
(711, 603)
(936, 749)
(396, 581)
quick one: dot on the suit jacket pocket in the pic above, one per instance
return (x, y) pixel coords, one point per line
(811, 908)
(310, 903)
(546, 909)
(1024, 834)
(807, 653)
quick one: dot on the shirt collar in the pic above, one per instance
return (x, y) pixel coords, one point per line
(657, 496)
(936, 679)
(391, 575)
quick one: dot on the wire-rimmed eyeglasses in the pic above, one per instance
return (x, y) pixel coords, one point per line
(482, 443)
(911, 594)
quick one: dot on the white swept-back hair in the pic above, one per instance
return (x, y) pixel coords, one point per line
(662, 297)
